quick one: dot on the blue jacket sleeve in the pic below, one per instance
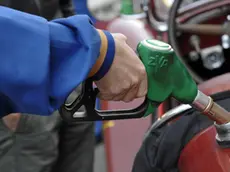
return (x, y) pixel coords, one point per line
(42, 62)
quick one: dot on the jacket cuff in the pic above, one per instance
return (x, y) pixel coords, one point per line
(105, 59)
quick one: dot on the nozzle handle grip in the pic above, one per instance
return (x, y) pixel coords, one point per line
(88, 99)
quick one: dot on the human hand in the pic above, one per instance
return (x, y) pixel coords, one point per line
(126, 78)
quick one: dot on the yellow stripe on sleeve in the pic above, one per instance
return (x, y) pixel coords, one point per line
(103, 51)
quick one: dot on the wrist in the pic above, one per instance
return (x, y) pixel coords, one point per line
(105, 59)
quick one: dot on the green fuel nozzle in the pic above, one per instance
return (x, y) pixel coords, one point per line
(168, 77)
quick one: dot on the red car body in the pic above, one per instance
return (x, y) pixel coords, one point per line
(122, 141)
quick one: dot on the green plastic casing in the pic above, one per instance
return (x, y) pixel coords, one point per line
(167, 76)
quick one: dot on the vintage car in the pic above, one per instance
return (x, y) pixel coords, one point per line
(198, 31)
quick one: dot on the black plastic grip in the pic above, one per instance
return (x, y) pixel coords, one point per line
(88, 99)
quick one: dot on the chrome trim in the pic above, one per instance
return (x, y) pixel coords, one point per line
(208, 107)
(168, 116)
(159, 26)
(134, 16)
(162, 26)
(223, 132)
(201, 101)
(79, 114)
(193, 5)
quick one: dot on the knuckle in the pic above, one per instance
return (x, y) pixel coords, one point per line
(135, 81)
(126, 85)
(142, 71)
(111, 90)
(114, 91)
